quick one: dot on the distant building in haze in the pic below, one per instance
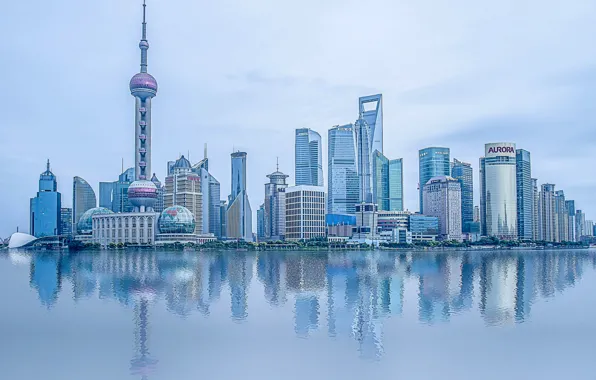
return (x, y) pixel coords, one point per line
(274, 216)
(525, 195)
(159, 203)
(546, 213)
(66, 225)
(44, 213)
(211, 190)
(309, 158)
(571, 228)
(433, 162)
(342, 175)
(535, 210)
(387, 183)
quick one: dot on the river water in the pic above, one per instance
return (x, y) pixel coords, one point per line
(298, 315)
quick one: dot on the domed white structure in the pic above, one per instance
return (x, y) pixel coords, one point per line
(19, 239)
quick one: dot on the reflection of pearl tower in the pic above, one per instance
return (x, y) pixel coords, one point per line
(143, 193)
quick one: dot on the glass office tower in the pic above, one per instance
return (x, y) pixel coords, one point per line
(396, 185)
(369, 138)
(525, 195)
(308, 158)
(433, 162)
(44, 215)
(83, 198)
(387, 183)
(498, 191)
(462, 171)
(342, 171)
(239, 213)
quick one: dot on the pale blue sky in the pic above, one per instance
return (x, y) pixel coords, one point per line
(246, 74)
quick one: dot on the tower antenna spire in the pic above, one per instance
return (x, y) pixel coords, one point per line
(277, 163)
(144, 44)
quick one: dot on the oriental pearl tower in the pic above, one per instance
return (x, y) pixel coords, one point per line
(142, 193)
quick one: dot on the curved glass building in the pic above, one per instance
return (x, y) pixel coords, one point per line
(83, 198)
(176, 220)
(498, 191)
(85, 225)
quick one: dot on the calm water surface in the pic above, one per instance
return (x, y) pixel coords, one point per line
(278, 315)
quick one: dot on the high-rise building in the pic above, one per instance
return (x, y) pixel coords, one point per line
(223, 212)
(433, 162)
(589, 228)
(211, 190)
(442, 198)
(369, 138)
(83, 198)
(562, 217)
(476, 214)
(105, 194)
(498, 191)
(275, 206)
(159, 204)
(387, 189)
(239, 214)
(309, 157)
(580, 224)
(570, 207)
(261, 223)
(305, 212)
(183, 188)
(546, 213)
(525, 195)
(342, 171)
(535, 210)
(66, 225)
(396, 185)
(462, 171)
(45, 207)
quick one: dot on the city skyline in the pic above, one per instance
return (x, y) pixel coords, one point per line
(404, 127)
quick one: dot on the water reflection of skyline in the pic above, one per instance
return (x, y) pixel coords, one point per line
(342, 294)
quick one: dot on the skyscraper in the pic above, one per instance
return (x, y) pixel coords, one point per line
(106, 190)
(570, 207)
(369, 138)
(305, 212)
(498, 191)
(159, 204)
(239, 214)
(143, 87)
(442, 198)
(83, 198)
(462, 172)
(535, 210)
(120, 202)
(309, 157)
(387, 189)
(580, 224)
(45, 207)
(211, 190)
(275, 206)
(261, 223)
(433, 162)
(546, 213)
(525, 196)
(562, 217)
(342, 171)
(183, 188)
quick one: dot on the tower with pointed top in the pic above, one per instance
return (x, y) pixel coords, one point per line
(143, 87)
(45, 207)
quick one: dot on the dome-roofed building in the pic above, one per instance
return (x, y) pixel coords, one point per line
(85, 224)
(182, 164)
(176, 220)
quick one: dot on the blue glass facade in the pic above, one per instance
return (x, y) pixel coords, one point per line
(340, 219)
(369, 138)
(66, 225)
(308, 158)
(462, 172)
(424, 225)
(342, 171)
(433, 162)
(387, 183)
(44, 215)
(396, 185)
(83, 198)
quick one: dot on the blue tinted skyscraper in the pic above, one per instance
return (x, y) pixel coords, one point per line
(387, 190)
(83, 198)
(66, 222)
(44, 216)
(369, 138)
(105, 194)
(342, 172)
(525, 195)
(239, 214)
(396, 185)
(462, 171)
(309, 158)
(120, 202)
(433, 162)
